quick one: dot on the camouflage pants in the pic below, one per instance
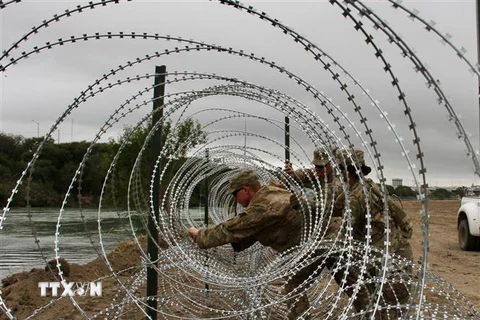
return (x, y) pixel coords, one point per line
(393, 292)
(300, 281)
(346, 278)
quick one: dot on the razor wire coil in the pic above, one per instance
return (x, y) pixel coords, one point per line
(249, 283)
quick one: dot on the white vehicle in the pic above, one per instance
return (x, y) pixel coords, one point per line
(468, 224)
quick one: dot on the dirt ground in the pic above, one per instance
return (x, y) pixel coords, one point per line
(446, 259)
(21, 293)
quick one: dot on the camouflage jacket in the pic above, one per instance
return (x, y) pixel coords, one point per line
(268, 219)
(308, 179)
(321, 198)
(327, 193)
(398, 219)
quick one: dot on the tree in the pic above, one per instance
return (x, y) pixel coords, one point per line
(11, 146)
(176, 141)
(57, 164)
(461, 191)
(405, 192)
(187, 135)
(390, 189)
(441, 194)
(52, 171)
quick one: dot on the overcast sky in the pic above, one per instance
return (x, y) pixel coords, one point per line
(36, 91)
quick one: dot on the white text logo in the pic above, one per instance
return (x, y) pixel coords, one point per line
(71, 289)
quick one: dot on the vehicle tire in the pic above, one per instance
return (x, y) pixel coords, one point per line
(465, 239)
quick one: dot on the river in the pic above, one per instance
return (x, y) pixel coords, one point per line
(78, 238)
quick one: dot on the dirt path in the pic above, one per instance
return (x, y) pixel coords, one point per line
(446, 259)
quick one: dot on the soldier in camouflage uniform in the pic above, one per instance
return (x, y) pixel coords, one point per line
(322, 172)
(268, 218)
(322, 169)
(400, 223)
(400, 227)
(331, 191)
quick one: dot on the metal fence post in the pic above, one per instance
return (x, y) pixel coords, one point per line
(156, 147)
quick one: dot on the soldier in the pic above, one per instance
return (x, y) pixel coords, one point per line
(322, 169)
(401, 226)
(329, 184)
(334, 195)
(330, 192)
(268, 218)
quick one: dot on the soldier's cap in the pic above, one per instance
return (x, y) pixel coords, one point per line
(355, 154)
(242, 178)
(320, 157)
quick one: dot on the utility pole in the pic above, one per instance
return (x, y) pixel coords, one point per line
(38, 128)
(287, 139)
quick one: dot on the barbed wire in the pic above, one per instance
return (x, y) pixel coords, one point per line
(252, 283)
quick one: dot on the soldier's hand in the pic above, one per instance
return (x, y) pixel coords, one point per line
(276, 184)
(294, 201)
(407, 231)
(192, 231)
(288, 169)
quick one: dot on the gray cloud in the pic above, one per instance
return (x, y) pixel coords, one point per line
(42, 86)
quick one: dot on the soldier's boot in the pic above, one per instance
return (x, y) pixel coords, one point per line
(363, 298)
(396, 294)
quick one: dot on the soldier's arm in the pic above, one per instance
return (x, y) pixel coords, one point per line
(401, 219)
(299, 175)
(241, 228)
(303, 175)
(219, 234)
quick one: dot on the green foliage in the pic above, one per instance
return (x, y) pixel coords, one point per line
(390, 189)
(176, 142)
(185, 136)
(58, 163)
(461, 191)
(11, 146)
(51, 175)
(441, 194)
(404, 192)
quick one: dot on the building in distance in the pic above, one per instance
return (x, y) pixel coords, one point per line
(397, 182)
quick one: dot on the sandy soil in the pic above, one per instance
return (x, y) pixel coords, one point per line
(446, 259)
(460, 268)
